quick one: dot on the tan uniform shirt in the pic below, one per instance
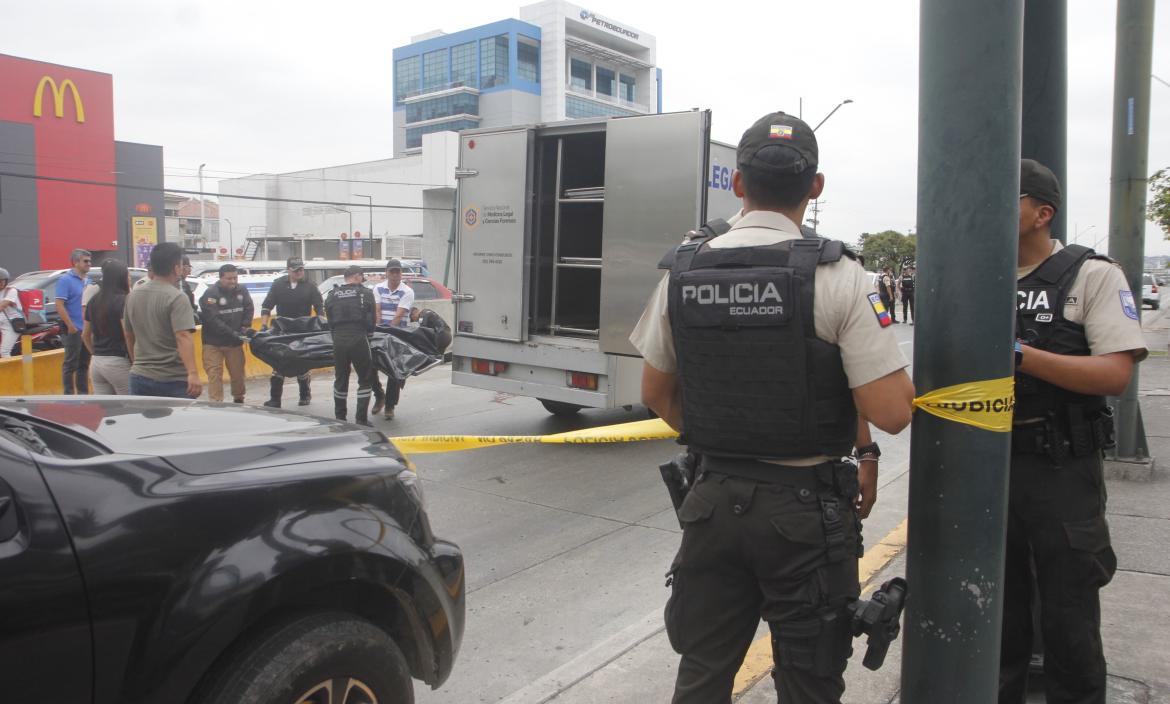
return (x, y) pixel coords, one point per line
(843, 314)
(1098, 299)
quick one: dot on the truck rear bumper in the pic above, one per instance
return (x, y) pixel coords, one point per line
(541, 369)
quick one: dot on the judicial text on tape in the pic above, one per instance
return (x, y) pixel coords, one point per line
(654, 429)
(984, 404)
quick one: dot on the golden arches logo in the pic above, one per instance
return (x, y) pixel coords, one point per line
(58, 98)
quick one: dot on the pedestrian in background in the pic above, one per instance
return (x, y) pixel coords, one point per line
(886, 288)
(227, 315)
(11, 316)
(103, 334)
(70, 287)
(906, 289)
(394, 299)
(160, 327)
(186, 286)
(291, 296)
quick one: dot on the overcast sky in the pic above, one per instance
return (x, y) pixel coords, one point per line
(250, 86)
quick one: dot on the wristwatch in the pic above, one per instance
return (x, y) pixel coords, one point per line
(871, 449)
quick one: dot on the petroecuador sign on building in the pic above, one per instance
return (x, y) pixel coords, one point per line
(599, 21)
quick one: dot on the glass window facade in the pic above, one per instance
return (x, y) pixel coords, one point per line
(493, 61)
(436, 67)
(414, 135)
(605, 81)
(463, 64)
(627, 88)
(579, 107)
(457, 104)
(406, 78)
(580, 74)
(528, 60)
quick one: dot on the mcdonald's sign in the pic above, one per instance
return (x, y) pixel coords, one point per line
(58, 98)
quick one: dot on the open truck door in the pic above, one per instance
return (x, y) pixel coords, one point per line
(495, 180)
(656, 184)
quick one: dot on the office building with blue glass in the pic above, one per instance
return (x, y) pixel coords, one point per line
(558, 61)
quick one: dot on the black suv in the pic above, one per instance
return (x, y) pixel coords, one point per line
(159, 550)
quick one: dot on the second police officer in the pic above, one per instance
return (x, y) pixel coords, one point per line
(769, 353)
(352, 315)
(227, 316)
(1078, 338)
(291, 296)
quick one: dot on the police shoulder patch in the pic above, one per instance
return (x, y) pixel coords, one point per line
(211, 301)
(1127, 304)
(879, 310)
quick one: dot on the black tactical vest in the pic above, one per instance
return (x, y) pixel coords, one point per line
(907, 284)
(1040, 323)
(347, 309)
(756, 381)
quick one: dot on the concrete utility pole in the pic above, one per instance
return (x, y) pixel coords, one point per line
(1045, 118)
(1127, 192)
(202, 225)
(970, 62)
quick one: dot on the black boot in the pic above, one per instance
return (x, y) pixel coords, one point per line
(362, 416)
(276, 386)
(339, 408)
(306, 395)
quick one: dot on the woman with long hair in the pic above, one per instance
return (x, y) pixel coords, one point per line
(103, 334)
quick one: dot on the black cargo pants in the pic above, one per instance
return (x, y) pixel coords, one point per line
(351, 348)
(1058, 540)
(784, 550)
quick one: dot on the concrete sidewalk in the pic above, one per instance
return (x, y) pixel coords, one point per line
(1135, 620)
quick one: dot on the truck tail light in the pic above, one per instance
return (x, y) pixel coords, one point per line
(484, 366)
(581, 380)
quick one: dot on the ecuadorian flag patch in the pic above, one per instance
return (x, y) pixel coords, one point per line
(780, 132)
(879, 309)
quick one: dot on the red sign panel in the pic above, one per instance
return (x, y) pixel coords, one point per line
(72, 113)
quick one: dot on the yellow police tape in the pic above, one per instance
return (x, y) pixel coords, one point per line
(655, 429)
(983, 404)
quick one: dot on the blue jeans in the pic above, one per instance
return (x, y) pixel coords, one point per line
(143, 386)
(75, 366)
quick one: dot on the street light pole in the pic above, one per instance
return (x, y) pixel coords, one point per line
(370, 233)
(231, 240)
(202, 226)
(816, 207)
(843, 102)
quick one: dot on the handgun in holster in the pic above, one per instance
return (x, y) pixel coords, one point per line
(878, 618)
(679, 476)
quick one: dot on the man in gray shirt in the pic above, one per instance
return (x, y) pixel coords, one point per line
(160, 326)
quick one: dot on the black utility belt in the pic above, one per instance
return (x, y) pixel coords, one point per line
(840, 475)
(1078, 435)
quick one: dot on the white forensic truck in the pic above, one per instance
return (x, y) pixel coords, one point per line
(560, 231)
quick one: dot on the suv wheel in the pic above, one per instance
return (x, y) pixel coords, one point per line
(328, 658)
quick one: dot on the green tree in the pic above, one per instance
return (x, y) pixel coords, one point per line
(887, 249)
(1158, 209)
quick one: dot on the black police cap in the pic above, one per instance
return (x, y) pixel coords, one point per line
(778, 144)
(1038, 181)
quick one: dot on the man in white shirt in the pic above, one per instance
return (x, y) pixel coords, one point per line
(394, 299)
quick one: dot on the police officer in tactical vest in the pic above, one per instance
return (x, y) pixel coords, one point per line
(291, 296)
(768, 352)
(906, 288)
(352, 315)
(1078, 338)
